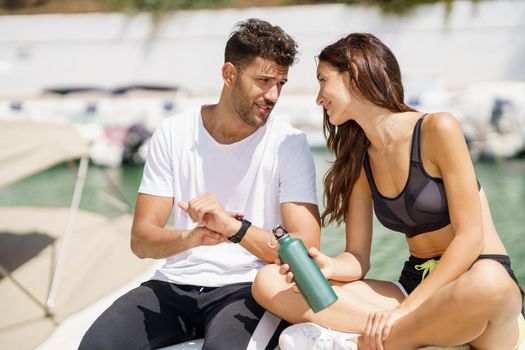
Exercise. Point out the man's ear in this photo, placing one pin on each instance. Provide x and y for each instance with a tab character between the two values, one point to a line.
229	74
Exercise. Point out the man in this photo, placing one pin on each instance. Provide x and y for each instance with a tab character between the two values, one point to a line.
234	155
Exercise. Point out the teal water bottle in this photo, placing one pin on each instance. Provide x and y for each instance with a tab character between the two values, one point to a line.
307	275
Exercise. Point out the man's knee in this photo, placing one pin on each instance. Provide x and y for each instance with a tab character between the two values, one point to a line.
238	323
101	335
121	326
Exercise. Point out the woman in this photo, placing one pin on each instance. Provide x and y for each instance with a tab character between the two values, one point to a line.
414	169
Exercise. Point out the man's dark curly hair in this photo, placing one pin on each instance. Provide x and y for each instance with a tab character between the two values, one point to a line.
257	38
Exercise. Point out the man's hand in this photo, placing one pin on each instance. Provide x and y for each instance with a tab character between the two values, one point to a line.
201	235
206	210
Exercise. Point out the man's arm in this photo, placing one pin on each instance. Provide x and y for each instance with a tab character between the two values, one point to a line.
300	219
151	239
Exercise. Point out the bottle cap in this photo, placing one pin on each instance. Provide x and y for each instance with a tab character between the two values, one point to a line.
279	231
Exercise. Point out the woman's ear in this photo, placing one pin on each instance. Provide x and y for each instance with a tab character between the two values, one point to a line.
229	74
355	71
352	78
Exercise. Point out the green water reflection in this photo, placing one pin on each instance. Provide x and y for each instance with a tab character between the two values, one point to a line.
504	183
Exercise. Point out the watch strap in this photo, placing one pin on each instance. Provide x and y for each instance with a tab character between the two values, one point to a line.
236	238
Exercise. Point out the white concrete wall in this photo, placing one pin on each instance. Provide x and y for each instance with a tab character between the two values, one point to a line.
477	42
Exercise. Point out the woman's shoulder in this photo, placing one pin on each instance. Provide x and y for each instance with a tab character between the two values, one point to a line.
440	122
442	138
441	126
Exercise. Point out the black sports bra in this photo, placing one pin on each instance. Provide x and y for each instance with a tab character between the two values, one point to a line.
421	206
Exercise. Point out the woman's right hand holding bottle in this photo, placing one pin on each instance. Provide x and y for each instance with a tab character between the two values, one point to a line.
324	262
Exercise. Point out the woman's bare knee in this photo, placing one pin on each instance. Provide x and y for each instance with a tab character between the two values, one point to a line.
487	286
265	285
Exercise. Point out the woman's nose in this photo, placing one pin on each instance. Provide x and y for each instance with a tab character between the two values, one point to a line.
319	100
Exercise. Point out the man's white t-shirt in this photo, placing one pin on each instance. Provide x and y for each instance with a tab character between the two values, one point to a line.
253	176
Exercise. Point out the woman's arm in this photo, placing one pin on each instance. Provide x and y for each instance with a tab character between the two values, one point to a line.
354	263
449	153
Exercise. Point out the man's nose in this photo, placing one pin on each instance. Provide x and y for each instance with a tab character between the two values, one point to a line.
272	94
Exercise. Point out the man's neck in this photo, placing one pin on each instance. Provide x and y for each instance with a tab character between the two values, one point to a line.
224	124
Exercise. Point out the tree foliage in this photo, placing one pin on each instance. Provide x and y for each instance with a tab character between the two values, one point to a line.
162	6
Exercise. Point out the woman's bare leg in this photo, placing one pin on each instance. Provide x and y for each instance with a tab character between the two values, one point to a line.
480	308
349	313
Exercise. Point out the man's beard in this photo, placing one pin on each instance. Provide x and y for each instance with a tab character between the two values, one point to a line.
244	108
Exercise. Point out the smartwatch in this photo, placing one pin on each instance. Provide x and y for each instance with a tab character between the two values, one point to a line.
236	238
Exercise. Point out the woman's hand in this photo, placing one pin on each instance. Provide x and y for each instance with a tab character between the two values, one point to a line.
284	270
324	262
379	325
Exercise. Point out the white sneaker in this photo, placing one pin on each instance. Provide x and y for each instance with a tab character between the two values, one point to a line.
311	336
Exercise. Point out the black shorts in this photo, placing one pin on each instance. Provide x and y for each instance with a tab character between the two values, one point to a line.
157	314
411	277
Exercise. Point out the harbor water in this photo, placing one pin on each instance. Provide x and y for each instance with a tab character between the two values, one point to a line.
112	191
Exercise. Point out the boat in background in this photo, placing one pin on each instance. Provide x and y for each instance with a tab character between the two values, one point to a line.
116	123
492	115
55	262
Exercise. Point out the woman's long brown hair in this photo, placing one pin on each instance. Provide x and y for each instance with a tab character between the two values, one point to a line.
375	76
